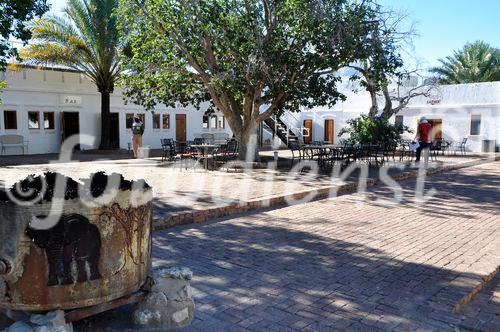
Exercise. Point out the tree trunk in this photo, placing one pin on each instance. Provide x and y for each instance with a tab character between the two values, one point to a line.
374	108
247	143
105	121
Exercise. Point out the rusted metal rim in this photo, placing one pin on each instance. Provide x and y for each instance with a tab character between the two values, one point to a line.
4	267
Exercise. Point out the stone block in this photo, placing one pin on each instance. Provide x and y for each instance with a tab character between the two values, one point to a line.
170	303
53	321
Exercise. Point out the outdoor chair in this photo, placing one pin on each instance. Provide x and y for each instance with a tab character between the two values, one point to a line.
330	158
460	147
296	151
225	152
168	149
436	147
387	152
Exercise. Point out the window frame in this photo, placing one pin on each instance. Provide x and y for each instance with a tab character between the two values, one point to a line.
163	117
129	116
475	125
221	122
206	122
53	120
213	122
5	112
142	117
38	120
156	116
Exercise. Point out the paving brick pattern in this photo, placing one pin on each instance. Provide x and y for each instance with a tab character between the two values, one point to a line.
349	263
177	190
483	313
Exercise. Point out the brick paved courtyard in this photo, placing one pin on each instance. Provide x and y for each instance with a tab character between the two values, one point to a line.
343	265
178	190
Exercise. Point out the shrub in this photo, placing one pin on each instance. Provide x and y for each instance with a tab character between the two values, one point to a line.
367	130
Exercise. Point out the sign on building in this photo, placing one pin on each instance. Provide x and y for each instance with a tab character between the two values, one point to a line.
71	100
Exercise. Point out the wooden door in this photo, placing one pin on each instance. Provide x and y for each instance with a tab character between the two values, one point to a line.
70	125
114	130
329	131
437	129
308	126
180	127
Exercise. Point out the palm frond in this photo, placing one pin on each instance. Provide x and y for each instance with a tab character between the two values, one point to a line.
476	62
85	38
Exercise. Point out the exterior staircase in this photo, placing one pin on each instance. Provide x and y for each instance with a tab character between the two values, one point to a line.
284	128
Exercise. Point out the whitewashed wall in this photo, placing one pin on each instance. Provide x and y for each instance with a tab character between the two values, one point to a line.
453	104
49	90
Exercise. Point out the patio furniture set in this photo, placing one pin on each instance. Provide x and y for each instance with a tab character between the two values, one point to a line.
327	155
201	149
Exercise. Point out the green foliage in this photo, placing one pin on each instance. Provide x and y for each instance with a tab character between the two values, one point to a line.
367	130
85	38
476	62
13	17
249	59
3	85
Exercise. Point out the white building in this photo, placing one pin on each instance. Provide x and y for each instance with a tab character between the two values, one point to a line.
46	105
461	111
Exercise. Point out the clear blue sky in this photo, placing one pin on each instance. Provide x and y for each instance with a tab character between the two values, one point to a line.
443	25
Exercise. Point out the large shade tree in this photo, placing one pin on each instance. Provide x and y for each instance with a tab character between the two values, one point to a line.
249	59
475	62
86	39
13	17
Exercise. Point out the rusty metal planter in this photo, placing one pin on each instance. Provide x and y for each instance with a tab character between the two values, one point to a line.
113	260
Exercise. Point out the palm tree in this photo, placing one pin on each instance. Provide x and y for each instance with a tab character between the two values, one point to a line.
476	62
85	38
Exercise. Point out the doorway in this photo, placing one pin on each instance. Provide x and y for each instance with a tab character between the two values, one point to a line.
437	129
180	127
70	125
114	130
329	131
307	131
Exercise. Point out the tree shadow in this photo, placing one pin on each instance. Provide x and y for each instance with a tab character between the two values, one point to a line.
458	193
288	278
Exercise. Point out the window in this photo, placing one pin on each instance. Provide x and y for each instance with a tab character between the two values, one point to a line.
399	120
48	120
156	121
213	122
129	120
205	122
142	117
166	121
475	124
10	119
33	120
222	122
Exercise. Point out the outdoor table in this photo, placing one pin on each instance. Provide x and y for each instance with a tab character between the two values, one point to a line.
205	150
321	151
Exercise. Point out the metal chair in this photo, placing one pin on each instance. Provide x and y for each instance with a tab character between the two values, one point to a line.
296	151
436	147
168	149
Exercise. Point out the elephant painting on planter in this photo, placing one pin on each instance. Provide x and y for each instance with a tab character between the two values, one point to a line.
73	238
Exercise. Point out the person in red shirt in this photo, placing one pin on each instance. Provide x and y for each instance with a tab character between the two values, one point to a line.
424	139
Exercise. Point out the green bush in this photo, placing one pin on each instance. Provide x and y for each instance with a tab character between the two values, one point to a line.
366	130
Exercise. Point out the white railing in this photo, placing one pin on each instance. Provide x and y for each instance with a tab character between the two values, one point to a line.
292	123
